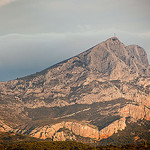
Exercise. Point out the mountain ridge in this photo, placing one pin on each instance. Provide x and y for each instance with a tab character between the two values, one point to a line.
102	43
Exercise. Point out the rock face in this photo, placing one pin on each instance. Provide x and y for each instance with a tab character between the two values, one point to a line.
77	128
4	127
90	95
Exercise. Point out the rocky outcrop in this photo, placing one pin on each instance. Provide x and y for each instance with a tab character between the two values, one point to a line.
4	127
77	128
135	111
112	128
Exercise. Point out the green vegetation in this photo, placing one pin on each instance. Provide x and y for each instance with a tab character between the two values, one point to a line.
13	141
46	145
10	137
67	145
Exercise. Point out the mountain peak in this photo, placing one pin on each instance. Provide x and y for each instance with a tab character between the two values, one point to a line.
109	60
113	56
114	38
113	43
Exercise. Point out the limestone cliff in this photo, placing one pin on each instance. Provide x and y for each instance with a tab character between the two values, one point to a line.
77	128
4	127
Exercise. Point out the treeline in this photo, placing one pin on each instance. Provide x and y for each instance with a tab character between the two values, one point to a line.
47	145
66	145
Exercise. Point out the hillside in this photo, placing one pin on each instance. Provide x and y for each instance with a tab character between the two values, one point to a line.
88	98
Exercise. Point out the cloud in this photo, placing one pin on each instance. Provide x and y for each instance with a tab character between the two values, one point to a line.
37	16
5	2
145	34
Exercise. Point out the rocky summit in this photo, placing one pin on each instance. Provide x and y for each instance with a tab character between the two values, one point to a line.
99	96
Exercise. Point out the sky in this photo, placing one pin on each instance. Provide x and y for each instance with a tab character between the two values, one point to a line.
36	34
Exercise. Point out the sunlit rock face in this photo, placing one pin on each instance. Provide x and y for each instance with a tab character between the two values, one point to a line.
90	95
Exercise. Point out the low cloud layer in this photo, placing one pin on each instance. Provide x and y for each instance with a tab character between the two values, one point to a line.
38	16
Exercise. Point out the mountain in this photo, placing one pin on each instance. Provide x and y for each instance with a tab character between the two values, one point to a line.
95	96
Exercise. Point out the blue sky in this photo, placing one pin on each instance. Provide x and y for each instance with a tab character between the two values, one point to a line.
35	34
